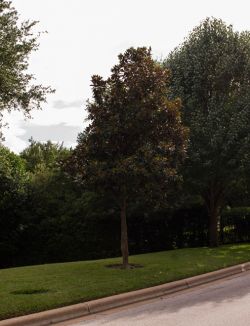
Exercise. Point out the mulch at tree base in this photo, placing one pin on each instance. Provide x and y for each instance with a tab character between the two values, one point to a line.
120	266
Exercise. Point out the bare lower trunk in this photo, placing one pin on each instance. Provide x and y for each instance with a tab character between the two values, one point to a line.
213	199
213	228
124	235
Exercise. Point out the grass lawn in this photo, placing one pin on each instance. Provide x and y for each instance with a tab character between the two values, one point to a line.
30	289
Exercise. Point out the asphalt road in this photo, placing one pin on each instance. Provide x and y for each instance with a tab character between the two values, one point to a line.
223	303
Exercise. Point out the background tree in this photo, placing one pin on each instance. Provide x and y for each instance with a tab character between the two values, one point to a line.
13	181
211	74
40	156
16	43
135	139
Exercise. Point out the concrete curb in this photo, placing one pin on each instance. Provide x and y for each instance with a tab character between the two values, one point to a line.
82	309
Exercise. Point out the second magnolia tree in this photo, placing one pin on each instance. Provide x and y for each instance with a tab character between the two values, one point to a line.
135	139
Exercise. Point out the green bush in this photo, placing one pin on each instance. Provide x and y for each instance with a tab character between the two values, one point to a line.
235	224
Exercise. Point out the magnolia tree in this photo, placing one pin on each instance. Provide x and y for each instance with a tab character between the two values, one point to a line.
211	74
135	139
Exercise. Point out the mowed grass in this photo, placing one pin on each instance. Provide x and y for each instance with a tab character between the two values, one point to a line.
30	289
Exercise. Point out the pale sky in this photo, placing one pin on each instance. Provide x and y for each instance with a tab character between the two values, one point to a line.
84	38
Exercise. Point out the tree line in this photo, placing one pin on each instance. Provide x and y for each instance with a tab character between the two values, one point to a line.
167	143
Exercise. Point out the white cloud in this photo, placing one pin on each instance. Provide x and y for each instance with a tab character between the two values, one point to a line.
13	131
57	125
59	104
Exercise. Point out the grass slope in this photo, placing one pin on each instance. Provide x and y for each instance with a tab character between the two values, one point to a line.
30	289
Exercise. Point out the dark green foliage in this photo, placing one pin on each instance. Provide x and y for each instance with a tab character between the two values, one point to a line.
135	140
55	222
235	224
16	43
211	74
12	196
135	136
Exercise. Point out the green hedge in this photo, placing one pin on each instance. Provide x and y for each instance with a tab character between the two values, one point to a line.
235	225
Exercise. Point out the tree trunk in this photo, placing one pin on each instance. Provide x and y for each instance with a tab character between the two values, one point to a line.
124	235
213	228
213	199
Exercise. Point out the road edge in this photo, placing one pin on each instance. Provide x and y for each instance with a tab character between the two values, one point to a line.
53	316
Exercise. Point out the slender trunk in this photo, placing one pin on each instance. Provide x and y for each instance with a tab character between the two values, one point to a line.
124	235
213	228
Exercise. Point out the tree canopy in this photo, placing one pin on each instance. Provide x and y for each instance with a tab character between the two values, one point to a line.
211	74
43	155
12	172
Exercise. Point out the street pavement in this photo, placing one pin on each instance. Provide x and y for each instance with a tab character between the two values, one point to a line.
221	303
